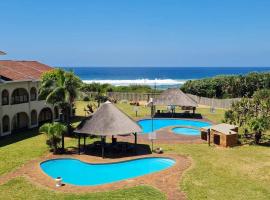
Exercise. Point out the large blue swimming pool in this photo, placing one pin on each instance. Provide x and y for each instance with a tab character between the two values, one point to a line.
76	172
146	124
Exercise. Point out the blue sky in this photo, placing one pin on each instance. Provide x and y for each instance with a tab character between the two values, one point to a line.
137	32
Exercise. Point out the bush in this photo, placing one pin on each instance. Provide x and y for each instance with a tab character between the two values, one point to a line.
86	98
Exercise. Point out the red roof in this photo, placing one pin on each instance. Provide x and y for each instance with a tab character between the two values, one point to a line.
22	70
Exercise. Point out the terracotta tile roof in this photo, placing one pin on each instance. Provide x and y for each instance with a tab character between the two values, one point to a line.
22	70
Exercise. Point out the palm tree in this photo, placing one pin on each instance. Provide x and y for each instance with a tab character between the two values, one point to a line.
54	131
59	88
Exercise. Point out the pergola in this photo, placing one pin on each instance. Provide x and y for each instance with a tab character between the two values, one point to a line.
175	97
108	121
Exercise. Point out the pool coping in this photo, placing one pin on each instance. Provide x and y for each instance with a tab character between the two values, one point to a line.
167	180
183	118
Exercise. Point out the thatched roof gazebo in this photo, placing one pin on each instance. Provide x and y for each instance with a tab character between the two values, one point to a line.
174	97
108	120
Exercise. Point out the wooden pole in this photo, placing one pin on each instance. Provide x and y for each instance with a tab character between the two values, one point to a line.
135	134
208	136
84	141
102	146
79	144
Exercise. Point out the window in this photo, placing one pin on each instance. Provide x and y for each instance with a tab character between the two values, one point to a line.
56	113
33	94
33	117
5	123
19	95
5	97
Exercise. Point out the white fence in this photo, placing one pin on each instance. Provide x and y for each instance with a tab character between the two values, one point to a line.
217	103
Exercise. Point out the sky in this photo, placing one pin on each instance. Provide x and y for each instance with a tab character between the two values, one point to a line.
137	32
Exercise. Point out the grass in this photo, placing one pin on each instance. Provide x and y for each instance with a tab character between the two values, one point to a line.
217	173
26	190
215	117
17	150
144	111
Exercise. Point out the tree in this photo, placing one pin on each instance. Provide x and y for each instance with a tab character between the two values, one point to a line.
54	132
251	113
259	125
59	87
228	86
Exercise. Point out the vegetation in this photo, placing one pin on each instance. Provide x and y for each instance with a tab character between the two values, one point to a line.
216	172
17	149
25	190
143	111
59	88
228	86
103	88
225	173
54	132
252	114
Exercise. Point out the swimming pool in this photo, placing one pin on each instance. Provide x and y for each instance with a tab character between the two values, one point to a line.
186	131
146	124
76	172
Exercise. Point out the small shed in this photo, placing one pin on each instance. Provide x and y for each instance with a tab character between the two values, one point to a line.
225	135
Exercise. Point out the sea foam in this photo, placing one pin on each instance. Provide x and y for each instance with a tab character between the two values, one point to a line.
150	82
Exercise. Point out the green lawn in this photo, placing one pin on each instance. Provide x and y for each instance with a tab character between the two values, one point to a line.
217	173
17	150
215	117
26	190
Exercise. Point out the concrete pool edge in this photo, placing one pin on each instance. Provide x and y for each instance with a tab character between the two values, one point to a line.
145	124
109	163
164	180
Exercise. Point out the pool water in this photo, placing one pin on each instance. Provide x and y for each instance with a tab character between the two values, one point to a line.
146	124
76	172
186	131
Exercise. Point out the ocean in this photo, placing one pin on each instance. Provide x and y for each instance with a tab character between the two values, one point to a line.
162	77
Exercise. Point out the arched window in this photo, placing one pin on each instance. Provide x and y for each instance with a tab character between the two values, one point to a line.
33	94
45	115
6	124
33	117
19	95
20	121
5	97
56	112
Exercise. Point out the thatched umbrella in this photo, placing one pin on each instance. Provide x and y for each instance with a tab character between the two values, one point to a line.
174	97
108	120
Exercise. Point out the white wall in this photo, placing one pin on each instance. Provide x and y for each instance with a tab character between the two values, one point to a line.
12	110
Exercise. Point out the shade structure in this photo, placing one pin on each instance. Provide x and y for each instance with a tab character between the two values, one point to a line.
108	120
176	97
2	53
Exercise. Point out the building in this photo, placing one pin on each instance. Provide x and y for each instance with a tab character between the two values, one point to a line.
225	135
19	105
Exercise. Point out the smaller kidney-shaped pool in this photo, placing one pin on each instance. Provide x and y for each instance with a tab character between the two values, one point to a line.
186	131
76	172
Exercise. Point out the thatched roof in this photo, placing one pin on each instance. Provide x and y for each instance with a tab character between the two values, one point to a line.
2	53
176	97
108	120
